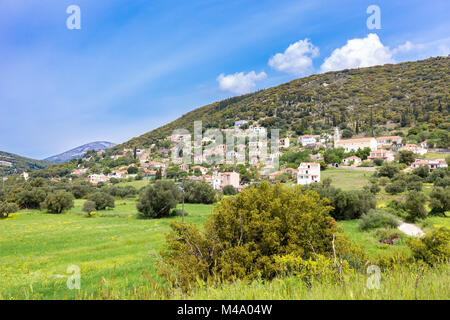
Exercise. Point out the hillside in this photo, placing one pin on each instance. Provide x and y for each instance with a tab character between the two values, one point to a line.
11	163
402	95
78	152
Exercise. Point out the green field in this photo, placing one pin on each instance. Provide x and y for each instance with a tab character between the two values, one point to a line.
347	179
37	248
434	155
115	252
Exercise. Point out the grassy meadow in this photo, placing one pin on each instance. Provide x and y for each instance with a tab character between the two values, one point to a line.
116	254
37	248
347	179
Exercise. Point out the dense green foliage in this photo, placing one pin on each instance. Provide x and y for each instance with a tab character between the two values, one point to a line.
19	164
58	201
199	192
6	208
102	200
246	232
346	204
158	199
377	219
433	248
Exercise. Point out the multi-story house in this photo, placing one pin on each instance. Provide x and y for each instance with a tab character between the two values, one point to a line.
308	172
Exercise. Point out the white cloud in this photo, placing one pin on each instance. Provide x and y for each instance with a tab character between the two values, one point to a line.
240	83
359	53
406	47
414	51
296	59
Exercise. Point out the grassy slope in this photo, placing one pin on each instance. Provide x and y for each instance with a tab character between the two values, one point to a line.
37	247
347	179
114	250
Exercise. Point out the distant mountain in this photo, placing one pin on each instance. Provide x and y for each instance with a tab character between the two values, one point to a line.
78	152
12	163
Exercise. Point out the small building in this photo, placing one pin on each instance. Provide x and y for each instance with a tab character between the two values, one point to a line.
284	143
96	178
432	164
387	141
184	167
352	160
229	178
306	139
308	172
357	143
240	123
414	148
382	154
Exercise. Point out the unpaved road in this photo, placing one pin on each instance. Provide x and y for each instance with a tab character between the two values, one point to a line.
411	229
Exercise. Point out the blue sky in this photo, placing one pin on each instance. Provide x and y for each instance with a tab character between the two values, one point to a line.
136	65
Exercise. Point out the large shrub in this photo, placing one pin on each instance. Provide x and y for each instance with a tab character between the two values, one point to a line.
433	248
388	170
229	190
102	200
58	201
199	192
440	201
346	204
377	218
30	198
89	206
122	192
6	208
158	199
245	233
415	205
395	187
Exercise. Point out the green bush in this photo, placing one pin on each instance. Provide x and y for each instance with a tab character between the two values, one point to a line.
102	200
433	248
6	208
199	192
395	187
89	206
30	198
58	202
245	233
415	205
377	218
229	190
158	199
440	201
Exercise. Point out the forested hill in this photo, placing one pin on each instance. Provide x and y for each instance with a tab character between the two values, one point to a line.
12	163
404	94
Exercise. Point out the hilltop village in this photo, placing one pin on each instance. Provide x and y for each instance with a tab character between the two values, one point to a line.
299	159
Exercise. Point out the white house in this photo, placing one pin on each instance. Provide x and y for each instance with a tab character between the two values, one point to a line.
385	155
352	160
414	148
432	164
357	143
306	139
284	143
387	141
308	172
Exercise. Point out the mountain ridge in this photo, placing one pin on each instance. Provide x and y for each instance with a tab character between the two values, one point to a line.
362	99
12	163
79	151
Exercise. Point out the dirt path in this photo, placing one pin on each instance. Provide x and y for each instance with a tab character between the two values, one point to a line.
411	229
